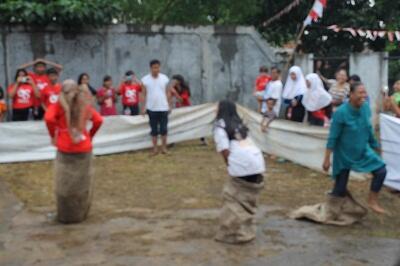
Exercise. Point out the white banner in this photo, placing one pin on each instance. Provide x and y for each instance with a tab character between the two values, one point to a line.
29	141
390	138
300	143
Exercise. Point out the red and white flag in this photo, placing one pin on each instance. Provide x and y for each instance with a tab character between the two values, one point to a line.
316	11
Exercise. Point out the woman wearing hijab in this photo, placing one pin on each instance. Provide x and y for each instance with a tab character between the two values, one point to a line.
315	100
246	166
66	122
293	92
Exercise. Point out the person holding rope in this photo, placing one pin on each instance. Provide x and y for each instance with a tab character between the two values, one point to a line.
66	122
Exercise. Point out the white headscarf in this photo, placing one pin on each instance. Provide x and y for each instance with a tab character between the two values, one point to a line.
294	88
316	96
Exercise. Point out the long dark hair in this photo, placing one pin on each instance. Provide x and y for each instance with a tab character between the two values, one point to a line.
80	77
18	71
234	126
184	86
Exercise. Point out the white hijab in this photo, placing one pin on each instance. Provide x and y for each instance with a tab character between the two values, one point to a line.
294	88
316	96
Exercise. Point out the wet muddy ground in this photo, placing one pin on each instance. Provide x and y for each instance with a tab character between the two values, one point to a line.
164	211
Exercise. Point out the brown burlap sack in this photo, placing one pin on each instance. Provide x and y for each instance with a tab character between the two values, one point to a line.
237	218
73	183
336	211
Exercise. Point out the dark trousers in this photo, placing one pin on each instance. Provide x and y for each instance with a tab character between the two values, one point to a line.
158	121
20	114
314	120
340	187
253	178
38	113
131	110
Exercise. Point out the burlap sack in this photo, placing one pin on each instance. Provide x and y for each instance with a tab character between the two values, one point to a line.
340	211
73	183
237	218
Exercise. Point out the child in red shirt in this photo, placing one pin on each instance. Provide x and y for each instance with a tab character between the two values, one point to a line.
260	85
130	90
23	93
41	80
66	121
107	97
49	95
3	105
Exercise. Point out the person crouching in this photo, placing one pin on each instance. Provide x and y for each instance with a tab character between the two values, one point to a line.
246	166
66	122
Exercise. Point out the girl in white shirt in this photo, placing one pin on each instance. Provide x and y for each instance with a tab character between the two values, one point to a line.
246	165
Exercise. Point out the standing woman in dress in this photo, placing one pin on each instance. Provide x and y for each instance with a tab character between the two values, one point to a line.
66	122
293	92
246	166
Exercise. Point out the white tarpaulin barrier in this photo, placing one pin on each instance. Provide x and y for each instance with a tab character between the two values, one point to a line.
390	138
29	141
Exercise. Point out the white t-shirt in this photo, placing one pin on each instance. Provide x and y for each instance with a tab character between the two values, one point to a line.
156	88
273	90
244	157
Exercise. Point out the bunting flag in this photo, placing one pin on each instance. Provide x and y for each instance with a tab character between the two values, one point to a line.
392	35
316	12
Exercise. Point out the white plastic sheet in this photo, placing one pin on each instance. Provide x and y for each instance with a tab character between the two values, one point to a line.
302	144
29	141
390	138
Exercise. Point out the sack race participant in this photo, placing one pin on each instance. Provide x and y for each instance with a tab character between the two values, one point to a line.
293	92
352	142
315	100
23	93
246	166
66	122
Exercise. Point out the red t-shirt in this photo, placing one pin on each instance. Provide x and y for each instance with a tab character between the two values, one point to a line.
130	93
50	94
41	81
24	96
262	81
57	127
107	105
185	100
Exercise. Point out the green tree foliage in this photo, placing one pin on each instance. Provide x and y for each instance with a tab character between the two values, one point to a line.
60	12
319	40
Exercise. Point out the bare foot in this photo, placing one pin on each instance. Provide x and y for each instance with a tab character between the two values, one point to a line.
165	151
154	153
374	206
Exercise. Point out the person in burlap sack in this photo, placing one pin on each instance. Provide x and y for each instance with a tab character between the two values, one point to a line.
352	142
66	121
246	165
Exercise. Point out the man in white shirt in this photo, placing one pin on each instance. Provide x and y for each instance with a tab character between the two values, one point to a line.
157	104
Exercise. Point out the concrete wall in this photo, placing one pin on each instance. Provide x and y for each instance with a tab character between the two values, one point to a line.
374	72
218	62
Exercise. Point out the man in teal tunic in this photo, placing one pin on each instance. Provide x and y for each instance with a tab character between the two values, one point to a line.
353	144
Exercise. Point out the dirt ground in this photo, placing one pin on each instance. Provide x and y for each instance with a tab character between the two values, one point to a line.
164	211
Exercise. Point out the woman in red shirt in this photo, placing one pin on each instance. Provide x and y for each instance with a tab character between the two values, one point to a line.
66	122
107	97
181	91
23	93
